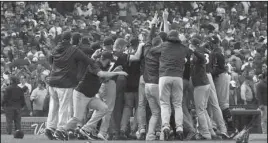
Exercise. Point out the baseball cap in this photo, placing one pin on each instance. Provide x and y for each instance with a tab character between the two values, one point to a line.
66	35
173	35
195	41
163	35
107	55
214	39
134	41
113	36
108	41
156	41
77	35
14	79
95	46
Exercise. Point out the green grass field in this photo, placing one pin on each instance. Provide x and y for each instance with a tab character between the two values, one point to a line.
254	138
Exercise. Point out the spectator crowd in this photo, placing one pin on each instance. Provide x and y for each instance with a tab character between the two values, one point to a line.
30	31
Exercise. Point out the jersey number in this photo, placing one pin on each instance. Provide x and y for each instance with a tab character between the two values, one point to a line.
207	58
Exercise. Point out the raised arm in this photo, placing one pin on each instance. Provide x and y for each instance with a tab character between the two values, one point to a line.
201	57
137	55
153	28
165	21
96	54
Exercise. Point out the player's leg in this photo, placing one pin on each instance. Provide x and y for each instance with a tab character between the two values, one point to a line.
109	99
222	89
141	112
164	96
65	96
264	120
17	119
101	109
114	127
9	118
129	98
177	96
200	99
134	126
80	102
52	118
187	118
214	107
152	94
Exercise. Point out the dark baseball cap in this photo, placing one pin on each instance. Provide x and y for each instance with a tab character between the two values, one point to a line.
214	39
95	46
108	41
66	36
156	41
163	35
134	41
13	79
113	36
107	55
196	40
173	35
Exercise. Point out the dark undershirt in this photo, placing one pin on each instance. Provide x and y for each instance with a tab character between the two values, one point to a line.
90	83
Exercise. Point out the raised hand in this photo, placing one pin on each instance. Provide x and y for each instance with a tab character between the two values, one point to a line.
165	14
96	53
154	20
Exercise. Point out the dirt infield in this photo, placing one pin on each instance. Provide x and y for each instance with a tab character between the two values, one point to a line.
254	138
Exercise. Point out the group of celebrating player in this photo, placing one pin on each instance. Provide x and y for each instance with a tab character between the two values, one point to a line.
170	73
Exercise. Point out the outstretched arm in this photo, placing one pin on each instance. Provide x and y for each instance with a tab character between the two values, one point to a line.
105	74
